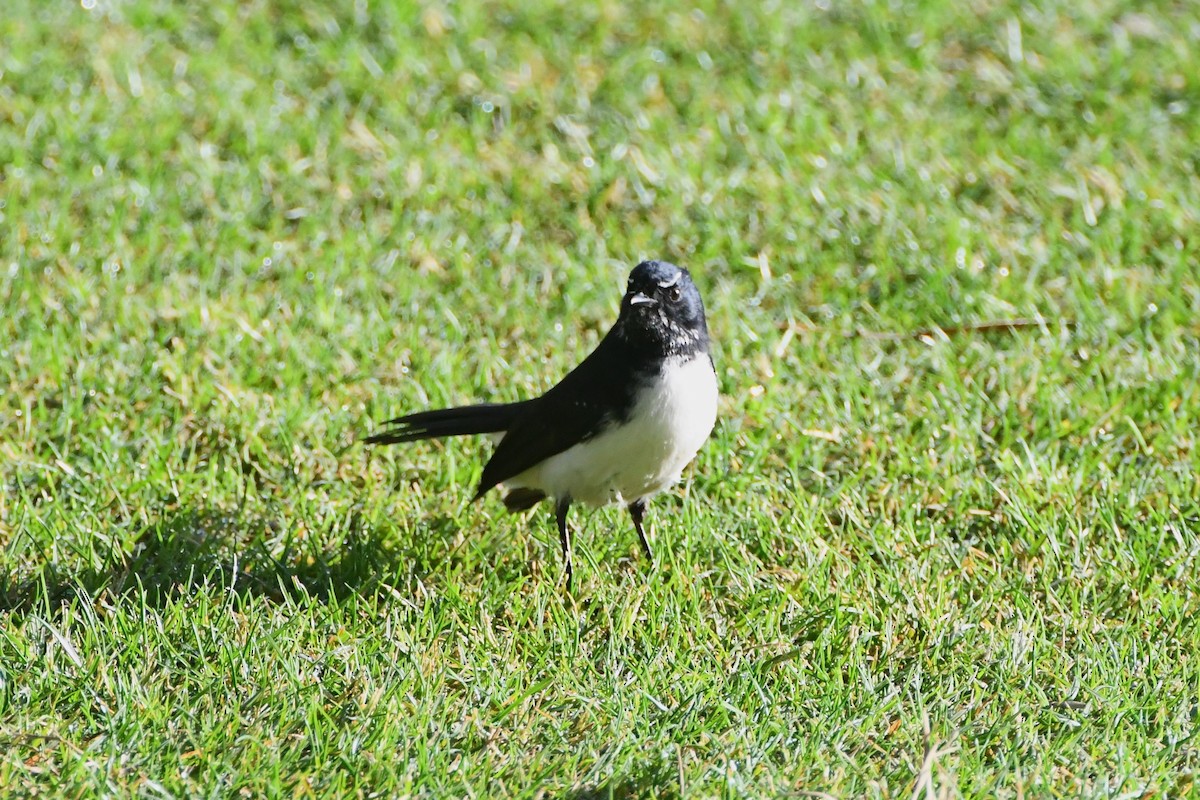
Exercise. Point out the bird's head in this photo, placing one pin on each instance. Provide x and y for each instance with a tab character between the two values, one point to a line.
662	309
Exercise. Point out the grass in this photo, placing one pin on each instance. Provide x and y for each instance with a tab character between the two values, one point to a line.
233	236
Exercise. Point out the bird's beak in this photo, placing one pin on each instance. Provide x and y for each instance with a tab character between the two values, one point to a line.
639	299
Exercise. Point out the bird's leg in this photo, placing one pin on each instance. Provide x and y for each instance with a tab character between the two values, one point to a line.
637	510
564	538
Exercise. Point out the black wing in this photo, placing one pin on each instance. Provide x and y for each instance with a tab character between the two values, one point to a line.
595	394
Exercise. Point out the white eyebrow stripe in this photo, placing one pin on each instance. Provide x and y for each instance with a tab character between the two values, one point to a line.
670	283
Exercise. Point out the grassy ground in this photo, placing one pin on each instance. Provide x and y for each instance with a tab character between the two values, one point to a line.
963	563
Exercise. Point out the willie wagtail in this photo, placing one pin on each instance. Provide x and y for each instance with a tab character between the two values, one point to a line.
619	428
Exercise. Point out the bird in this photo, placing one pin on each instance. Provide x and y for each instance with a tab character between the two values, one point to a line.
617	429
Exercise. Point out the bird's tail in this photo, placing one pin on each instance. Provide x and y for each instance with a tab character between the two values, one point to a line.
462	421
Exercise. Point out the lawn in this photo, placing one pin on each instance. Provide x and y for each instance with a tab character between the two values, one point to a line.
943	542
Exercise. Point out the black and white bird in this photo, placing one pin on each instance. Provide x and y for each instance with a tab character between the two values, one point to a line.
619	428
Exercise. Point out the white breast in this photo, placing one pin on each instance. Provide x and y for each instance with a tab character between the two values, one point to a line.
672	416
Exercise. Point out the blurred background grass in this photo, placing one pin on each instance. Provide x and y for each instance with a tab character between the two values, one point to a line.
232	236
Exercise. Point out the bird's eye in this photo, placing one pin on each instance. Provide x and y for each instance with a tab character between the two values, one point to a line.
674	294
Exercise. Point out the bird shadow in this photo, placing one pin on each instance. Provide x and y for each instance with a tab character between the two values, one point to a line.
646	780
188	550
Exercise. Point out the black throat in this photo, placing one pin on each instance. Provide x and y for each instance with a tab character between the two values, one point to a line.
651	336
